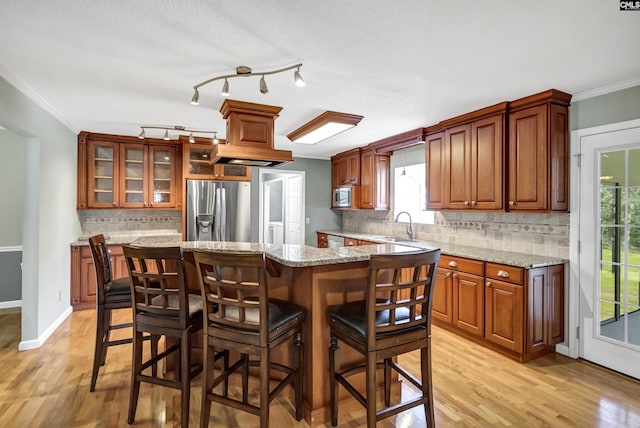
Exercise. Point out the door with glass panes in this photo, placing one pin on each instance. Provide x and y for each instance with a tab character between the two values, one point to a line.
610	249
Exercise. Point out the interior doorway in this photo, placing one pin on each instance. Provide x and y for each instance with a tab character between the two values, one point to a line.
281	207
609	246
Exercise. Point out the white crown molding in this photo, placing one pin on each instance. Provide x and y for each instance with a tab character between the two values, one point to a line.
606	89
30	93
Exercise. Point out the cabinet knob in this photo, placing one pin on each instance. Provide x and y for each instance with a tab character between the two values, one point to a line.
114	204
466	202
455	275
511	203
453	264
473	203
488	283
144	204
447	274
503	274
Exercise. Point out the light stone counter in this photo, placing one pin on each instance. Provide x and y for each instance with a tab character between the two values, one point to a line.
526	261
285	254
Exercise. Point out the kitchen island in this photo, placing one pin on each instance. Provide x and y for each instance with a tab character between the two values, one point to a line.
313	278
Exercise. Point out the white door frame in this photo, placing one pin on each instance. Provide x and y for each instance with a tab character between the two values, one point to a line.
261	202
572	348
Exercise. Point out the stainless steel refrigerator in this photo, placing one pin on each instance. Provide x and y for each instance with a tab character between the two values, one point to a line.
218	210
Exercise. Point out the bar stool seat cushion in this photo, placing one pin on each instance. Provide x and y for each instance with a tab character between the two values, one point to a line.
353	315
117	290
195	303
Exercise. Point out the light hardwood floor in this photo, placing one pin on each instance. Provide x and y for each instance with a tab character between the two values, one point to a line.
473	387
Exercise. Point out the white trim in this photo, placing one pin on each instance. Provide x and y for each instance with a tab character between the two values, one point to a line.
573	307
25	345
10	249
603	90
11	304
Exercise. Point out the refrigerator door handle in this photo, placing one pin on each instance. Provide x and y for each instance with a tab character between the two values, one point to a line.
223	214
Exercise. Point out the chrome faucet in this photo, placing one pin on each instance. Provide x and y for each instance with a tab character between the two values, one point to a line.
409	229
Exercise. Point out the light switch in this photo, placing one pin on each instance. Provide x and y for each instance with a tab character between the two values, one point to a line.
308	220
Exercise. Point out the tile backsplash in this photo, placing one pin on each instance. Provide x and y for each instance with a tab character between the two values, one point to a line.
109	221
538	234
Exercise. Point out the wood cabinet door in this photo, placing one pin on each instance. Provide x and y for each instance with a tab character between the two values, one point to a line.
197	161
458	172
133	176
468	302
353	169
383	170
161	176
367	180
442	299
435	161
487	163
323	240
528	159
87	280
537	307
504	308
555	315
335	174
102	174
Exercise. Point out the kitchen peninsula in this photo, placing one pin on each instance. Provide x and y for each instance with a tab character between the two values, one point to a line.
314	278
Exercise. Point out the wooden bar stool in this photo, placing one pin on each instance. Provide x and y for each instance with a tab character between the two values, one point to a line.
239	316
111	294
162	306
395	318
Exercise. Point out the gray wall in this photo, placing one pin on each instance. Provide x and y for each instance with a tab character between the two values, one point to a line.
11	195
50	220
614	107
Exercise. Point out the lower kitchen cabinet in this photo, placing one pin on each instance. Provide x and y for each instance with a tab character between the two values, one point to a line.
83	275
323	240
516	311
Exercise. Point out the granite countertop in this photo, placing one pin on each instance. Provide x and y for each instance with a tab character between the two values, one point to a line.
527	261
122	238
285	254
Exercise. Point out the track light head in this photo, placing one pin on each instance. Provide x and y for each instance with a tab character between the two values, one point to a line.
195	100
263	86
215	138
191	139
298	78
225	88
141	136
166	135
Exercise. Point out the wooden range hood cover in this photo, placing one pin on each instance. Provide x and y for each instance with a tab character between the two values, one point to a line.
250	136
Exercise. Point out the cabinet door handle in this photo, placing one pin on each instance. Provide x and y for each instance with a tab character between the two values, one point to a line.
511	203
503	274
473	203
447	274
453	264
466	202
455	275
488	283
114	204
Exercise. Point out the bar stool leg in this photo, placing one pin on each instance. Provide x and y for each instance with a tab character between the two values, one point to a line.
333	385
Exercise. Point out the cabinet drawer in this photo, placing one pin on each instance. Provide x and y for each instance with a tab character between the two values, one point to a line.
460	264
323	240
512	274
350	242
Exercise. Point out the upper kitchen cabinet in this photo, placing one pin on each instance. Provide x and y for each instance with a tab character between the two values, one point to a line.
538	152
465	161
345	168
123	172
374	180
197	164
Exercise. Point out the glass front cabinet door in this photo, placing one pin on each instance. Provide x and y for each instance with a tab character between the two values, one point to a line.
102	172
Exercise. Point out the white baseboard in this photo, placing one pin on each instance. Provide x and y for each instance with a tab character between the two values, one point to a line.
11	304
563	349
25	345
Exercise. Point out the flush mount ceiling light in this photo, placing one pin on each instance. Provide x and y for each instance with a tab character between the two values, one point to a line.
324	126
244	71
180	130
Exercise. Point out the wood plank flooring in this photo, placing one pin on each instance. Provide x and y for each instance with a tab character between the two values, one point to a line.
473	387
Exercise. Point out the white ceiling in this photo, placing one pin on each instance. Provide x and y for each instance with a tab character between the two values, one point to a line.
110	66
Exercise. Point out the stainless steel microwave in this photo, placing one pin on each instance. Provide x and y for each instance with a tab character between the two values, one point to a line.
342	197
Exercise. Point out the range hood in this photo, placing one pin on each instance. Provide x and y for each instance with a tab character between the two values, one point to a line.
250	136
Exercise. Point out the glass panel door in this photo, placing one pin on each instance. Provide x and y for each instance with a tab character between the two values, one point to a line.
133	188
162	168
102	175
619	279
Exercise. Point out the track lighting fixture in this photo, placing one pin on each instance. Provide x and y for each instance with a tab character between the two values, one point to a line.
180	130
244	71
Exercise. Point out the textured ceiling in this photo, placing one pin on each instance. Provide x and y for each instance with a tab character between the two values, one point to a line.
110	66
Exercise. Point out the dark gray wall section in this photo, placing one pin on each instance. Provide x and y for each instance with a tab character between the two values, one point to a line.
613	107
10	276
